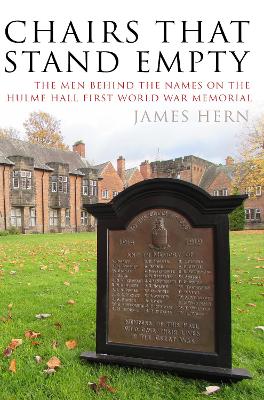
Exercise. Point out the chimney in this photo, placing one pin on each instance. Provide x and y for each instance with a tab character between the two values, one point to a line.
229	160
121	166
79	147
145	169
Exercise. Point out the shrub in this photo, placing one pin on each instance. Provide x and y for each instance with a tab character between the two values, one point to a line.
4	233
237	219
13	231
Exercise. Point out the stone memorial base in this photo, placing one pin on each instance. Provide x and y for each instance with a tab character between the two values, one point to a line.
188	370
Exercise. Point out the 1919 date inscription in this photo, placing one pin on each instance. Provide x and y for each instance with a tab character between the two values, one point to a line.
161	283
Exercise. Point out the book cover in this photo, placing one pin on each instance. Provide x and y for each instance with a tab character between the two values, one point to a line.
96	97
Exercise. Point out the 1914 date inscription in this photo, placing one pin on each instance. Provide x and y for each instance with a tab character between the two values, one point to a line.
161	283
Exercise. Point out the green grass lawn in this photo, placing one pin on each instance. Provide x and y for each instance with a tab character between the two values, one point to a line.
41	273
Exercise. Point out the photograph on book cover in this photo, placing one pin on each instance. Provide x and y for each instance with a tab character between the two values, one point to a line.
97	97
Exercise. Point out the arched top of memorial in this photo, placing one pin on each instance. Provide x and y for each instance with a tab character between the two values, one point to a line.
168	193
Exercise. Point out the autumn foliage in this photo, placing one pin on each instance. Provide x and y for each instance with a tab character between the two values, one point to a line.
250	167
42	128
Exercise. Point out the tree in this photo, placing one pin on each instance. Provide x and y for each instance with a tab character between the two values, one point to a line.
10	133
249	171
42	128
237	219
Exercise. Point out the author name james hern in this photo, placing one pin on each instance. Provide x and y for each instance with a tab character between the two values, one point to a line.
184	116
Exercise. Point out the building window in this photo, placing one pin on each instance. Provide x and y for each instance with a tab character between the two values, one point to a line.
67	217
84	217
53	217
105	194
16	217
54	184
220	192
257	215
63	184
249	191
33	216
59	183
93	188
85	187
15	179
252	214
22	179
115	193
258	190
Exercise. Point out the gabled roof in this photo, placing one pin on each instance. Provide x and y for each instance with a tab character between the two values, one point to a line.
213	171
4	160
101	167
129	173
42	155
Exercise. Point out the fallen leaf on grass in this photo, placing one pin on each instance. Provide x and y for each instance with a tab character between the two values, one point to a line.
44	267
260	266
12	272
66	283
42	316
71	301
7	352
242	311
101	385
34	343
55	344
49	371
76	268
251	305
93	386
58	325
260	328
53	362
32	334
38	359
12	366
71	344
9	313
15	343
211	389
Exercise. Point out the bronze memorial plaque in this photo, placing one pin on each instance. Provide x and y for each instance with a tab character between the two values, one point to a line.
161	283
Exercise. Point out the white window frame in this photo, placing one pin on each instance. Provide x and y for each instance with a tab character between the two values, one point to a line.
67	217
85	187
54	187
53	217
84	218
22	179
105	194
16	179
115	193
252	215
93	187
63	184
16	217
258	190
33	216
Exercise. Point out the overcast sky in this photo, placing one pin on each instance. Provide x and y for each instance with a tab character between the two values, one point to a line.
108	128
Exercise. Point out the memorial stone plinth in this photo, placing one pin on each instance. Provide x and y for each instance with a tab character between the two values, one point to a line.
163	280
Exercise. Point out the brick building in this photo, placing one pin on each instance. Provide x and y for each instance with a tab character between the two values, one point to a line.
45	190
215	179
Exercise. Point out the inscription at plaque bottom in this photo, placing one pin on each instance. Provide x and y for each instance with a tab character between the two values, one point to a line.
161	283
